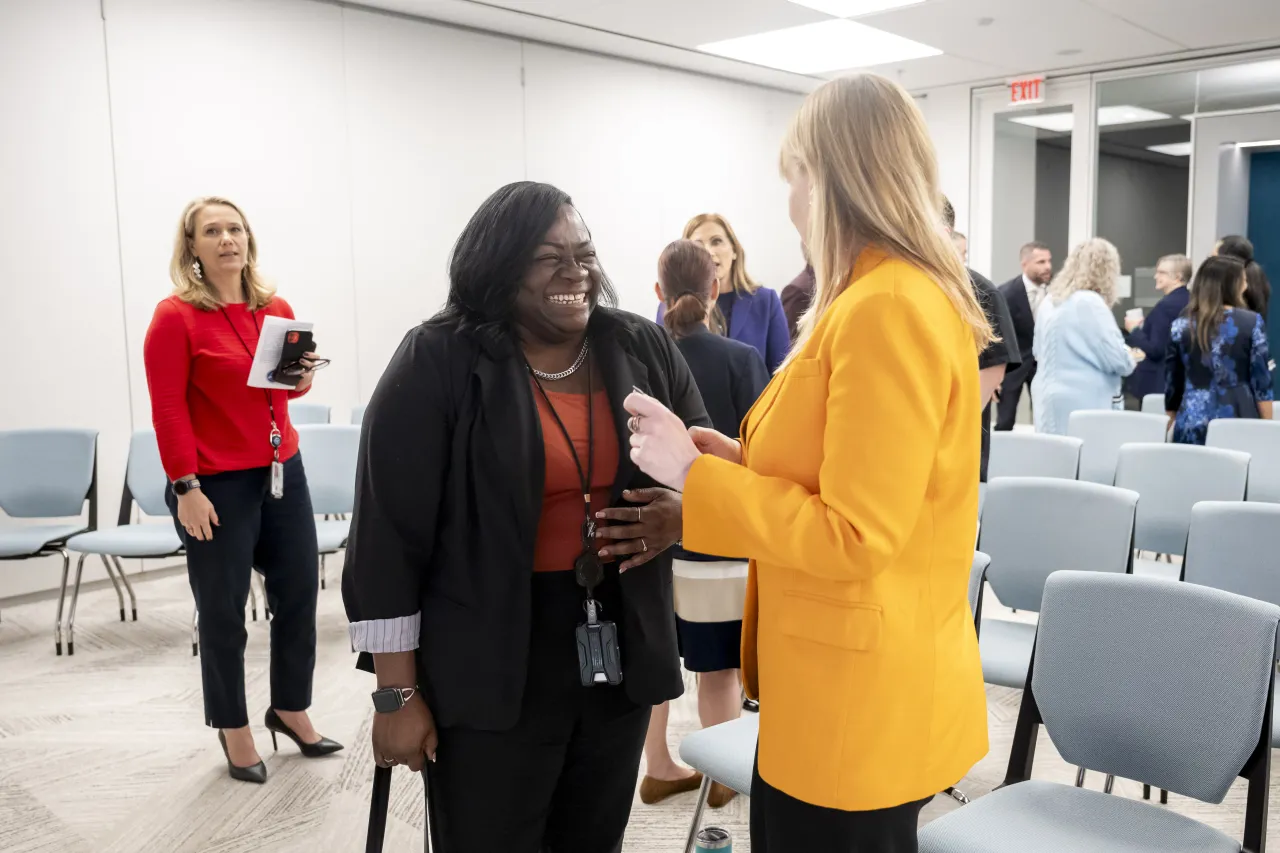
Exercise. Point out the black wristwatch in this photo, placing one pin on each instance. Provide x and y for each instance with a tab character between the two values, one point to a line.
181	487
388	700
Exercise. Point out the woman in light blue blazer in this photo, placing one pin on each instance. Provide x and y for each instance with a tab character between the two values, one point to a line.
1081	354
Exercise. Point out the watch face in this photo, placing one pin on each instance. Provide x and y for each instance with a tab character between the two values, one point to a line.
387	701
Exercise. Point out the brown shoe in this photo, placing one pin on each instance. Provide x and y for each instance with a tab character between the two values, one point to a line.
720	795
656	790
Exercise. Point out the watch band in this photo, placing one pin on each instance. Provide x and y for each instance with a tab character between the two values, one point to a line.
181	487
388	700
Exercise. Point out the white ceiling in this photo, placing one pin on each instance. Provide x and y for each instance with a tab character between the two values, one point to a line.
981	40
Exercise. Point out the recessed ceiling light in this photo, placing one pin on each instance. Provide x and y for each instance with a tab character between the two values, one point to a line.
854	8
1173	149
825	46
1107	117
1261	143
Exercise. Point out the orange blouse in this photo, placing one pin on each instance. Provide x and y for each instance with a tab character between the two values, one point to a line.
560	526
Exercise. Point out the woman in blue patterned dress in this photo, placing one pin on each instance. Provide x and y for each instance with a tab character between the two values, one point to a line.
1217	357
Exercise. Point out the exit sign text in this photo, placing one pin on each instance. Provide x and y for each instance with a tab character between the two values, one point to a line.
1026	90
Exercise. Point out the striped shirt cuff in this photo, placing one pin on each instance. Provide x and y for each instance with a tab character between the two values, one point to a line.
383	636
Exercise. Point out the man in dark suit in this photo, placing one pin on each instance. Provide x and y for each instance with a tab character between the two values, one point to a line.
1151	333
1024	295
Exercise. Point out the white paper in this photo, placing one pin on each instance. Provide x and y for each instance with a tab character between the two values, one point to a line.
1124	287
270	345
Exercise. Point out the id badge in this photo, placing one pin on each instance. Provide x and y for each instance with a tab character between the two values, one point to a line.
599	657
277	480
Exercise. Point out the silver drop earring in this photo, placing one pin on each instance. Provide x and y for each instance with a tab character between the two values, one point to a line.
197	271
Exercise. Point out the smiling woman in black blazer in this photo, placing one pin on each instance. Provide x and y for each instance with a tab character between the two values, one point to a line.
469	521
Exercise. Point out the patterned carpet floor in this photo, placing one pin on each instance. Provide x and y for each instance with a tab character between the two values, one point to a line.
104	752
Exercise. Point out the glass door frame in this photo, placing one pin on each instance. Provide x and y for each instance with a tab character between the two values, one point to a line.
1077	92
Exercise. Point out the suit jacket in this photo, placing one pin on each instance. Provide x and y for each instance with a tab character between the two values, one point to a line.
1024	320
755	319
448	498
1152	337
796	298
857	501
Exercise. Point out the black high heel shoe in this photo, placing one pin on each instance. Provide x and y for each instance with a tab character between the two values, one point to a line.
320	748
256	774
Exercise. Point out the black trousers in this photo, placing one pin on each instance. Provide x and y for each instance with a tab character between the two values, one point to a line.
278	537
782	824
562	780
1011	393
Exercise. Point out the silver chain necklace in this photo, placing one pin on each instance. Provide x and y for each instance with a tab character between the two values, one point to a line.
564	374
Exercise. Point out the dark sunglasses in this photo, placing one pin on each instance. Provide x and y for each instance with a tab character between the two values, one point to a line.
297	368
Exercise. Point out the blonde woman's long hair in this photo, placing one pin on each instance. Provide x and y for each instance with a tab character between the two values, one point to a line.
199	292
1093	265
738	278
874	177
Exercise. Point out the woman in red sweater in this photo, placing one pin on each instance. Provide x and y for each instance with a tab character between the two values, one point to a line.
220	441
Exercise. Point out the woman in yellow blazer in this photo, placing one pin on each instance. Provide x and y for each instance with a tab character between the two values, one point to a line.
855	492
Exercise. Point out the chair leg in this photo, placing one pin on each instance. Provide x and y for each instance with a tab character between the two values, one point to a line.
957	795
1146	791
75	599
111	576
195	632
266	602
697	814
1108	784
62	597
322	586
253	597
1079	777
133	599
1164	797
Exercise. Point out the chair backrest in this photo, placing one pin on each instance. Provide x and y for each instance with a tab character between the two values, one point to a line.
1164	683
46	473
1261	440
1171	479
145	475
357	413
1034	526
977	577
301	412
329	452
1032	454
1233	546
1153	404
1104	432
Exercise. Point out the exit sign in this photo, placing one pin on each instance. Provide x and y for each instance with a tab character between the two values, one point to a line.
1026	90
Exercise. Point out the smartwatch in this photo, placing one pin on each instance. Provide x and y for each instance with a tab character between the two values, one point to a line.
388	700
181	487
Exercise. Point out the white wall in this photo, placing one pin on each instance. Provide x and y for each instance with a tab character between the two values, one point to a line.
947	112
358	144
1220	176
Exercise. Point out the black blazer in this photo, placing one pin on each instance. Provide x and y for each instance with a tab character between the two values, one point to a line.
1024	321
730	376
448	497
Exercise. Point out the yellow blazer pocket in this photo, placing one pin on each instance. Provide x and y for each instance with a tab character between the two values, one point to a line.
802	367
851	625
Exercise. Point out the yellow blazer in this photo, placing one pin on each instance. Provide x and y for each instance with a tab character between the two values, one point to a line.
858	501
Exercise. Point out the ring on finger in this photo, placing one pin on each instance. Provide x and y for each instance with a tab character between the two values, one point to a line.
639	513
643	547
633	423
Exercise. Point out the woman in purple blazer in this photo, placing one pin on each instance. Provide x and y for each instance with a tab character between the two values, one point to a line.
748	312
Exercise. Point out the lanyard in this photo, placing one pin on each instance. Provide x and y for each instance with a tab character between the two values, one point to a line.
587	567
276	437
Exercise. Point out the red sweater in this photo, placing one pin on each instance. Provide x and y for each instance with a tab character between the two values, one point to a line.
207	419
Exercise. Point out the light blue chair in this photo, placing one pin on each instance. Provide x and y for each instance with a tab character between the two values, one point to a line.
1261	440
357	414
1109	649
301	412
145	483
1033	527
47	474
1033	454
1153	404
1172	478
329	452
1105	432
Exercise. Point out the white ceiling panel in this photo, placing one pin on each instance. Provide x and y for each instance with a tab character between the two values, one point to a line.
982	40
1200	23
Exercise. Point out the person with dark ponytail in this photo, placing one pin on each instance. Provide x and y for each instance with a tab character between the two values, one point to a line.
709	590
1257	292
1217	357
